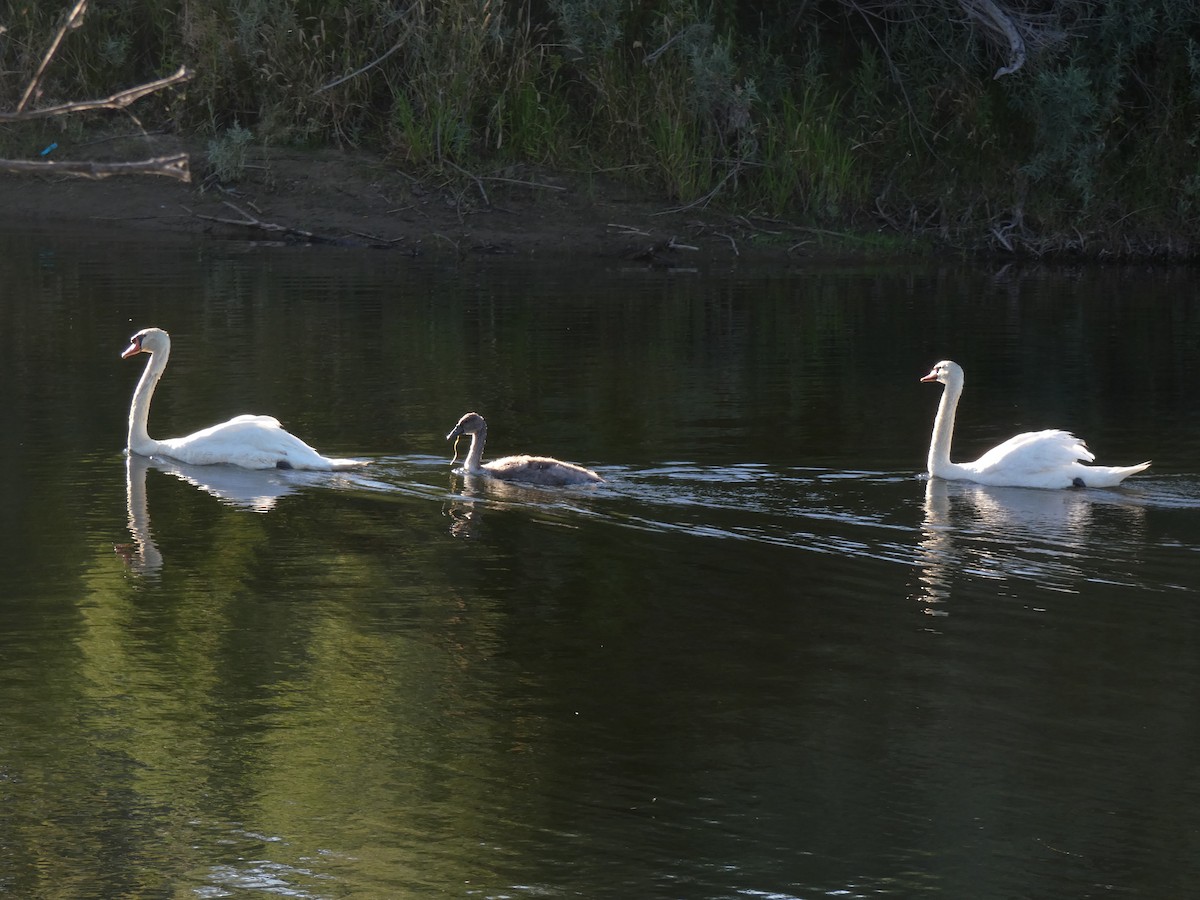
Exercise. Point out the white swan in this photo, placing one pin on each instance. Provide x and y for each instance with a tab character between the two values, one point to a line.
253	442
528	469
1038	459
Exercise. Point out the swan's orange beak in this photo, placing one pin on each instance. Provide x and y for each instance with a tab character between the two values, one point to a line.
932	376
135	347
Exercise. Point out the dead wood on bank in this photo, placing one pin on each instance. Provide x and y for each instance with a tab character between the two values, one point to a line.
174	166
288	232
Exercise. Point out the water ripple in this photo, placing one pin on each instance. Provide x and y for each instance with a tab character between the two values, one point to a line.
1056	539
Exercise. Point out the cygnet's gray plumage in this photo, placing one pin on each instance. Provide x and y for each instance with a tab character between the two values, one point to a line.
541	470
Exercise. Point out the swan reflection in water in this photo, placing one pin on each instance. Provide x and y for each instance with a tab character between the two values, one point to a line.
997	533
243	488
471	494
257	490
142	556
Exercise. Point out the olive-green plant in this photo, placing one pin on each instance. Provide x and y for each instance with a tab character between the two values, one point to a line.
227	152
808	166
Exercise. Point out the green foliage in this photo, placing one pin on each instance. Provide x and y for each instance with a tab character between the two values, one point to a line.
1064	110
681	167
808	166
527	124
590	28
227	152
804	109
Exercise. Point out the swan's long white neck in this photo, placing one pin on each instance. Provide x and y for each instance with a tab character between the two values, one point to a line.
139	440
943	432
474	461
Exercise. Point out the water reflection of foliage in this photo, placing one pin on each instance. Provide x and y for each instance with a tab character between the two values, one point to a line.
279	667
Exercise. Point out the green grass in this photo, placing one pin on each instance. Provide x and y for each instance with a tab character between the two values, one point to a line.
801	115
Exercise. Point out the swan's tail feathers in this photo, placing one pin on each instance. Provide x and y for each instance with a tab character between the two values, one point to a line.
1109	476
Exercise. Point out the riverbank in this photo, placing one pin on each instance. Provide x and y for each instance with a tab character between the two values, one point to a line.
356	199
1076	142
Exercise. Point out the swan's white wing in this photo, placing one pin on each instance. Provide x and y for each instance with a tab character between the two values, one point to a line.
254	442
264	421
1033	452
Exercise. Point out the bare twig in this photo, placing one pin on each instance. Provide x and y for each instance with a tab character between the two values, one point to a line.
691	29
286	231
452	243
372	64
630	229
475	178
74	20
1002	239
532	184
703	201
119	100
250	221
377	239
171	166
898	79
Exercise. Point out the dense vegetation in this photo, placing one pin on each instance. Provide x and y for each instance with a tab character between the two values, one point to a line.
1029	124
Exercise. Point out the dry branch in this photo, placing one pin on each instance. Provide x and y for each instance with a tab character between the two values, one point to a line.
373	63
175	166
1017	30
171	166
284	231
249	221
995	19
119	100
74	20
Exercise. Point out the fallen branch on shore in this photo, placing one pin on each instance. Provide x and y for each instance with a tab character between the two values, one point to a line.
175	166
286	232
171	166
249	221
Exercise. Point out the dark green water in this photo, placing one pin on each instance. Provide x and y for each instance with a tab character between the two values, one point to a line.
765	659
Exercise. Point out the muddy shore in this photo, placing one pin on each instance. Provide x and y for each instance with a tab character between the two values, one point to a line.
354	199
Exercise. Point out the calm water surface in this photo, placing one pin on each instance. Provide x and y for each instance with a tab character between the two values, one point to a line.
766	658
